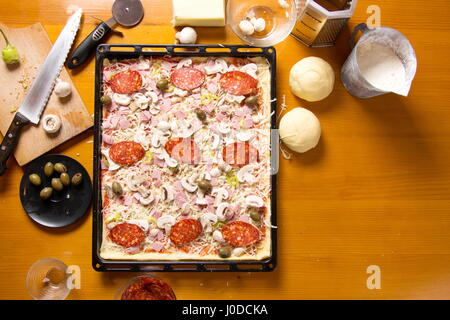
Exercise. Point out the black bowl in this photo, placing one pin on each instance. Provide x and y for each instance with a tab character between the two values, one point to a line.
63	207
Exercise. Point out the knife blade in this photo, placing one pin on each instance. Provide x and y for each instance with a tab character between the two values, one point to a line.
37	97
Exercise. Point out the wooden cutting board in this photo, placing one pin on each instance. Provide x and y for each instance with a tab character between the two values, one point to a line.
34	45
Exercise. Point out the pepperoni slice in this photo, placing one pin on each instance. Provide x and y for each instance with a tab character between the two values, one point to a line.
183	150
185	231
127	235
240	234
238	83
187	78
126	152
240	154
126	82
148	289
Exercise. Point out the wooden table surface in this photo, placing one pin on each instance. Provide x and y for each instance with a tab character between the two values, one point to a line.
376	191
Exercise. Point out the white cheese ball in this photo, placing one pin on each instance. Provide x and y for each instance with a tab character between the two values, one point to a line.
312	79
300	130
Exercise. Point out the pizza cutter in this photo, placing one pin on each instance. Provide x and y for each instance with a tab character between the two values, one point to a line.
126	13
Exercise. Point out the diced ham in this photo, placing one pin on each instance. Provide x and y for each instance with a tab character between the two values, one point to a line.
159	162
108	139
166	105
156	174
145	116
244	218
210	200
124	123
160	235
157	214
214	182
180	199
212	87
248	122
221	117
154	121
157	246
127	200
177	186
180	114
132	250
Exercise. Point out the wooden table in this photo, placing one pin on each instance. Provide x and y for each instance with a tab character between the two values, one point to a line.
376	191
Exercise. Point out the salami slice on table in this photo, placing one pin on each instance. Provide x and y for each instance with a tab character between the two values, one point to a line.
148	289
126	82
127	235
126	152
240	154
240	234
183	150
185	231
238	83
187	78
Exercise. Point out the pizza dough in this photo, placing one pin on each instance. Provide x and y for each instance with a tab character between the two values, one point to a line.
312	79
300	130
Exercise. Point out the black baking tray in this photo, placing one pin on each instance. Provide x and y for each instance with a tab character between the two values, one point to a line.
130	51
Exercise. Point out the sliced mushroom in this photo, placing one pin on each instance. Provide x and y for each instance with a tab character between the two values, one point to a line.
223	128
244	135
171	162
244	174
133	182
215	141
250	69
201	200
207	219
163	126
167	193
217	235
165	222
232	98
141	101
220	65
238	252
190	187
222	211
155	109
112	166
186	62
220	194
254	201
156	140
225	167
121	99
141	223
215	172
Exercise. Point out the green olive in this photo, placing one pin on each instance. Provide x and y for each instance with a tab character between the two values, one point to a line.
65	178
205	186
77	178
105	161
117	188
48	169
105	99
162	84
174	170
46	193
60	168
57	184
35	179
201	115
251	101
224	252
255	216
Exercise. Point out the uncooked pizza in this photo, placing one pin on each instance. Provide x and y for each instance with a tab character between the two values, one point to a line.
186	159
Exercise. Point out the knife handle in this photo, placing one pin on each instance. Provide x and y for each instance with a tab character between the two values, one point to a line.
10	139
84	50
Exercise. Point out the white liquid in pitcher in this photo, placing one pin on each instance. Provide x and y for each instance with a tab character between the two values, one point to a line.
382	68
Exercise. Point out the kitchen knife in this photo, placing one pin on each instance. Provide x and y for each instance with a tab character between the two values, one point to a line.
36	99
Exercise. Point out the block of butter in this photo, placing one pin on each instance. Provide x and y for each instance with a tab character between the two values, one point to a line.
199	13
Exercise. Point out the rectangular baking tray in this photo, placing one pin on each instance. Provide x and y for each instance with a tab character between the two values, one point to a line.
130	51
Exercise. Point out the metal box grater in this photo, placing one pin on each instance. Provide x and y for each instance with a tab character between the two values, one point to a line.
322	20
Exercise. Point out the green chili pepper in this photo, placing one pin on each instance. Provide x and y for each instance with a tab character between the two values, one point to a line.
9	53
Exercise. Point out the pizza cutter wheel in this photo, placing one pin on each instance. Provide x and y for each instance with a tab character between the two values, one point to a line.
126	13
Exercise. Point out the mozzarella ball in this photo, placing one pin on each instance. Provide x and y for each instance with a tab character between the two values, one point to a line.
246	27
312	79
300	130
